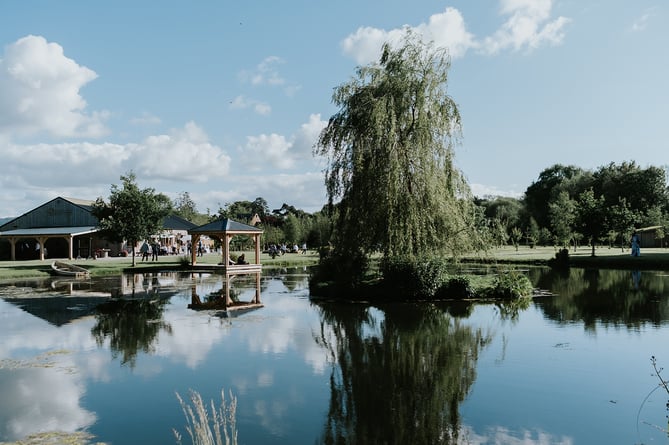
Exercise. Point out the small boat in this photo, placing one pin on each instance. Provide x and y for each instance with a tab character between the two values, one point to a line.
69	270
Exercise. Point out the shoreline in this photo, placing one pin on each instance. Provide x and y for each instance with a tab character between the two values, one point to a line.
606	258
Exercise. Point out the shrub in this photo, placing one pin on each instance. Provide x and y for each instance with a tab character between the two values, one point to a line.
561	259
346	272
511	285
415	279
456	287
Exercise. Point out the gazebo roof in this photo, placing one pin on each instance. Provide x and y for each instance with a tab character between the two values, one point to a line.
225	225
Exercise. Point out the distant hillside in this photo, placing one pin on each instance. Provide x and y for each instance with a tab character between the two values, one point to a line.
5	220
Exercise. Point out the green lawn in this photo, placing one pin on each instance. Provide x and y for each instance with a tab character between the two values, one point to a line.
11	270
605	258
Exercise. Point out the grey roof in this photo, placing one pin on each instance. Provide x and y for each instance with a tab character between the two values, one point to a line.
225	225
175	222
43	216
50	231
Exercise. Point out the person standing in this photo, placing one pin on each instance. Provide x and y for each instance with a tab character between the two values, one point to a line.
636	244
145	251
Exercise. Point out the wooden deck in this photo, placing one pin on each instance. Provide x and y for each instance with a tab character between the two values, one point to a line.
234	269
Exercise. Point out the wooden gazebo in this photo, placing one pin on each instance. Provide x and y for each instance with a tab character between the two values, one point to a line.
224	229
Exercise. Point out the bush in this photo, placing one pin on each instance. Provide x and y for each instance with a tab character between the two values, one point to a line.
456	287
414	279
346	272
511	285
561	259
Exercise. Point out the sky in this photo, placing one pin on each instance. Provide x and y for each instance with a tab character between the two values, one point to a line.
225	100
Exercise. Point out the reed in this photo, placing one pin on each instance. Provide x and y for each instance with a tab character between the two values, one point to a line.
209	425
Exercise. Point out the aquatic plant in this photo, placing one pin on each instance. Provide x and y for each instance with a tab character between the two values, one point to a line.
205	427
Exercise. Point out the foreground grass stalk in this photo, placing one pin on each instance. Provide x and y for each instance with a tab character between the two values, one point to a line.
218	427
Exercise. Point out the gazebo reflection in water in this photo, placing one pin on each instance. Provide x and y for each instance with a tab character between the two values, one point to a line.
224	230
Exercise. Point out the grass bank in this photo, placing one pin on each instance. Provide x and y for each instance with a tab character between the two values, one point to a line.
605	257
12	270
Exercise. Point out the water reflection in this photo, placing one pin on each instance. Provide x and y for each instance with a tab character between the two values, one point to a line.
106	356
131	326
615	297
402	372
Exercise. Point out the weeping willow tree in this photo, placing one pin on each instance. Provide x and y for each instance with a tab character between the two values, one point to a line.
389	150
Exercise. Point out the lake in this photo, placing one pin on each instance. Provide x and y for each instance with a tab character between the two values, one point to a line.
109	355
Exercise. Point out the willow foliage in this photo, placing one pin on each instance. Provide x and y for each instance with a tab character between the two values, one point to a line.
390	158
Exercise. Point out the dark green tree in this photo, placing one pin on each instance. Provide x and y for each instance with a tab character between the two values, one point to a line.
545	190
132	214
390	158
622	220
591	216
562	213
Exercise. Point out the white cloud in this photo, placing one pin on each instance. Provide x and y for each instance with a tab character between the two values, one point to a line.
482	190
241	102
529	26
266	72
184	154
277	151
39	92
641	22
36	173
307	135
267	150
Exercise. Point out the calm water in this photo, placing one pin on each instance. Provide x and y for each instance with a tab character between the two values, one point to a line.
569	369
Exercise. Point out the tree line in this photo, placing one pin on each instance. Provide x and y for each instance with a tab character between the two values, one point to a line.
570	206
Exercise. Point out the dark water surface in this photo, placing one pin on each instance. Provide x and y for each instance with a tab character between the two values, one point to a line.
108	356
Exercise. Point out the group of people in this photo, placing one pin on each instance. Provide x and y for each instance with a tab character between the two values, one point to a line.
152	249
275	250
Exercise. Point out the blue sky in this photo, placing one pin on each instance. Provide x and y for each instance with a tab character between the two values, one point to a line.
224	100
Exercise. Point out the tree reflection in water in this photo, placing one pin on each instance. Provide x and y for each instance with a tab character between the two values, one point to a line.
399	373
611	297
131	325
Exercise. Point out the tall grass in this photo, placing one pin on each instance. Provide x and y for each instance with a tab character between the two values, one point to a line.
209	426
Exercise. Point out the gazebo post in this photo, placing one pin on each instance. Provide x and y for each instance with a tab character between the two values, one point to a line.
225	241
257	241
193	249
228	300
257	299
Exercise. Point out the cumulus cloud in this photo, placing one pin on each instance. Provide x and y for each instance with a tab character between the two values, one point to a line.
39	92
183	154
529	26
84	169
446	29
278	151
